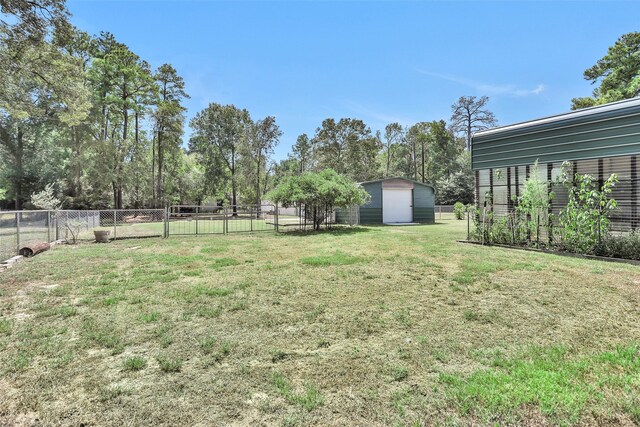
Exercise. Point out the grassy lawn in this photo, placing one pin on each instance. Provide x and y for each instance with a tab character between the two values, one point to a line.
366	326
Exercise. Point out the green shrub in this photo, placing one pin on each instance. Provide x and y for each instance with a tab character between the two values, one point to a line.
320	193
533	205
585	219
625	246
459	210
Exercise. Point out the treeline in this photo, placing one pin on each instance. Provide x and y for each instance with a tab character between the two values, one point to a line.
425	151
90	116
91	121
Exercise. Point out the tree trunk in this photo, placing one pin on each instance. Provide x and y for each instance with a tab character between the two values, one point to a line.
115	194
423	162
159	187
153	172
77	185
233	183
414	161
19	168
386	174
258	185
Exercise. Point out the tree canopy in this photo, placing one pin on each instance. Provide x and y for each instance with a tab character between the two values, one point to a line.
319	193
617	73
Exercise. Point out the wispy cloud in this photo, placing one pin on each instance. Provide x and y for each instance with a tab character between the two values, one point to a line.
487	88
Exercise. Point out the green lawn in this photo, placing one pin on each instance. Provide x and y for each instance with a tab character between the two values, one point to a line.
367	326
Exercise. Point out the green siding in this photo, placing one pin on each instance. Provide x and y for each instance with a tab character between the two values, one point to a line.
375	190
370	215
597	134
424	215
423	204
341	217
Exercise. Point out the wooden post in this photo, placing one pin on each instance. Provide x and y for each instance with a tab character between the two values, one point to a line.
114	225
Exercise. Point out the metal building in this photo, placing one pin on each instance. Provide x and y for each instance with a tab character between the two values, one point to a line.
395	201
597	141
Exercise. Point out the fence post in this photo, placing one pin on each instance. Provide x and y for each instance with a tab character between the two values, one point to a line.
468	225
165	223
17	232
276	218
197	212
115	229
48	226
251	217
56	225
225	221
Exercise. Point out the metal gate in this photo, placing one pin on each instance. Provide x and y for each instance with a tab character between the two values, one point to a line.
187	220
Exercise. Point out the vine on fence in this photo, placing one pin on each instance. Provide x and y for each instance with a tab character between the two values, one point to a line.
583	225
585	219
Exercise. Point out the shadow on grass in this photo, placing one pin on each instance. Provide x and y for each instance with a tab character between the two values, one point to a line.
335	231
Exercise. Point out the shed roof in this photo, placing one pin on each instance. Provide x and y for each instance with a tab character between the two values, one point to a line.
426	184
607	130
612	108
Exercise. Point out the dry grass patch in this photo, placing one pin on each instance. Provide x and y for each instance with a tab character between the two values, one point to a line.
370	326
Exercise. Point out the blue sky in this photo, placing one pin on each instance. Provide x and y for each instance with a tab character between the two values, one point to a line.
381	61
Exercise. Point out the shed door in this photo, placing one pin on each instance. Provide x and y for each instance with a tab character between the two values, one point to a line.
397	205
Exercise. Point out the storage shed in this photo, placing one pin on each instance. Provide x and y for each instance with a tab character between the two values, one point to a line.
395	201
597	141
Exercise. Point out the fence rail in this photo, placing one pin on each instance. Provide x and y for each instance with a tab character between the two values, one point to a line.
444	212
22	228
196	220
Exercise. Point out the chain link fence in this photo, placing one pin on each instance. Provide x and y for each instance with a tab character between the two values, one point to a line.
444	212
23	228
121	223
197	220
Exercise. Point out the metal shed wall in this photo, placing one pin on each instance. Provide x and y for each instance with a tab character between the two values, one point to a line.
424	202
597	141
423	196
604	131
371	213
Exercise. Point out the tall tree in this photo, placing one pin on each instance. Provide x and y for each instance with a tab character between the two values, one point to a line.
42	85
469	114
219	133
302	152
618	73
121	82
348	147
393	137
265	135
418	139
32	20
168	122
